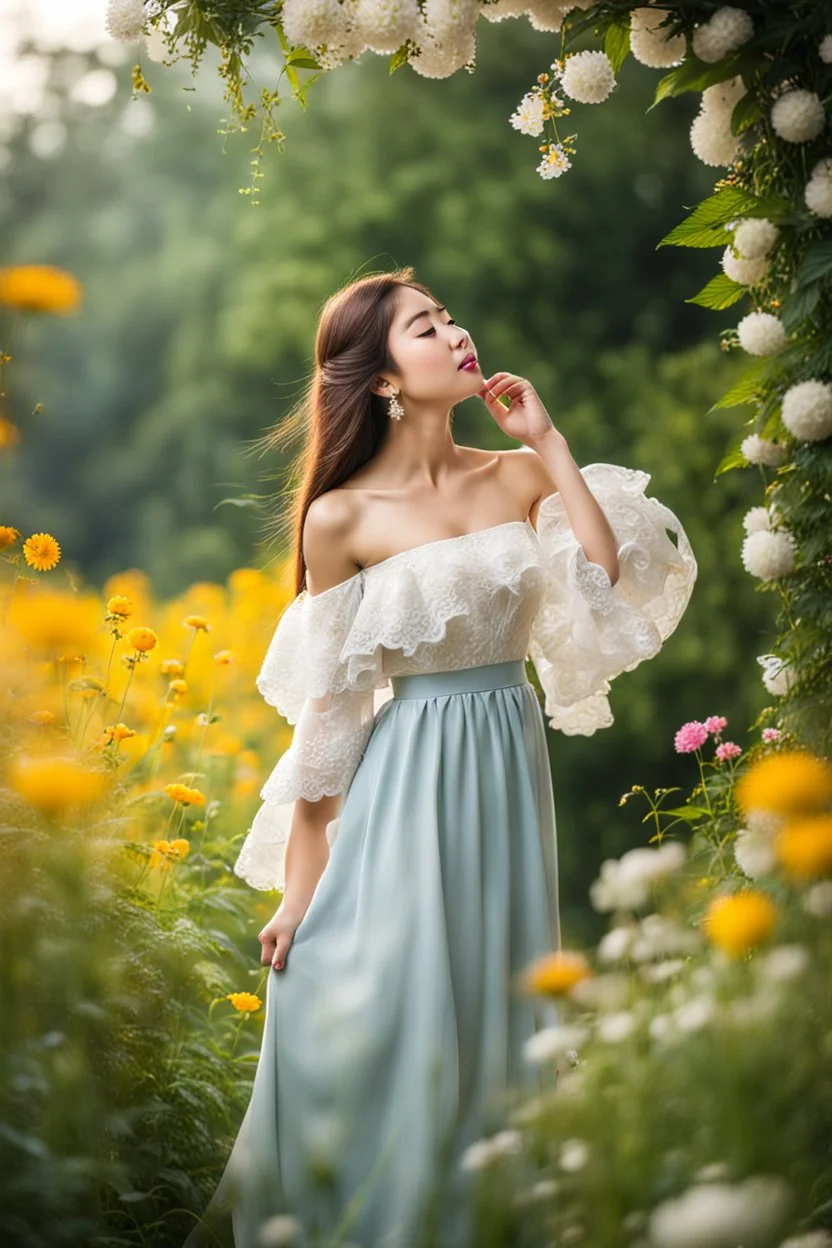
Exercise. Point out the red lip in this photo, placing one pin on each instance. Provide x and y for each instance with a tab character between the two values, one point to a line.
469	356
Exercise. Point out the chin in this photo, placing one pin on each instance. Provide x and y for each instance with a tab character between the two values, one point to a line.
472	380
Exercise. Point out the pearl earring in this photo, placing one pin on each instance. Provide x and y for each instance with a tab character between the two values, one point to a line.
396	410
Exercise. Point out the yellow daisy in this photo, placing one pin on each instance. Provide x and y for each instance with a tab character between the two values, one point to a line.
224	656
197	622
39	288
738	922
787	783
185	794
142	639
41	551
245	1002
178	686
171	667
557	973
120	606
180	846
8	536
804	847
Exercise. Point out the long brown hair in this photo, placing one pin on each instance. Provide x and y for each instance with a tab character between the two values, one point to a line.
342	420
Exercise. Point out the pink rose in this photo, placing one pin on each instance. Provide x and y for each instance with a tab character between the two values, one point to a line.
716	723
690	736
727	750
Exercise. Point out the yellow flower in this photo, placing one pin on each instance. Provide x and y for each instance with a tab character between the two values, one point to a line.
787	783
41	551
804	847
8	536
171	667
9	434
245	1002
53	783
739	921
160	855
119	605
142	639
39	288
44	719
117	732
180	846
185	794
224	656
197	621
178	686
557	973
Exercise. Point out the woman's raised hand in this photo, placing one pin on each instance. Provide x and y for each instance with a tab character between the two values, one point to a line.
526	419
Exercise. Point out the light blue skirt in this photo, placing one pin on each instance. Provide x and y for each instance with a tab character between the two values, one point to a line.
394	1035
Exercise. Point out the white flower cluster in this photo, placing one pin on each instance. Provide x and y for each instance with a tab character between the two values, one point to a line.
490	1149
760	333
625	883
655	936
798	116
757	520
825	49
754	852
776	674
769	555
754	237
739	269
721	1213
807	410
555	162
818	192
726	31
528	116
126	19
385	24
757	450
550	1043
445	37
710	134
650	44
588	77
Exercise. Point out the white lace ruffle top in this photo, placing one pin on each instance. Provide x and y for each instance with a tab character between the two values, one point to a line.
505	592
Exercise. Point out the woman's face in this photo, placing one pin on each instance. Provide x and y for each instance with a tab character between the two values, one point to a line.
429	348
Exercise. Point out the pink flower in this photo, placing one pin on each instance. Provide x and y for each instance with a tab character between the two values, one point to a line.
771	734
727	750
690	736
716	723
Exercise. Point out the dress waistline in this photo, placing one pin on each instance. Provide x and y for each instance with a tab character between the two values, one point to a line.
463	680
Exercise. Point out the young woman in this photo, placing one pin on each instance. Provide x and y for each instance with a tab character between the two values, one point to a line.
411	823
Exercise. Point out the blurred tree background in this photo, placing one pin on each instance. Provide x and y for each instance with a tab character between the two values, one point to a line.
198	324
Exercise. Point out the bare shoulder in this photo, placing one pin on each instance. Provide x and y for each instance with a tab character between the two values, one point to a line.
327	540
527	478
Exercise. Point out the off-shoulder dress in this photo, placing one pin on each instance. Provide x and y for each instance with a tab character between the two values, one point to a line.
395	1033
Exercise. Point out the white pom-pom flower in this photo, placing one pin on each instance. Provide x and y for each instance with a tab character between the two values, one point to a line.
384	25
825	49
760	333
818	191
769	555
126	19
757	450
445	37
723	96
528	116
547	15
757	520
798	116
807	410
310	23
649	43
754	237
746	272
588	77
712	140
724	32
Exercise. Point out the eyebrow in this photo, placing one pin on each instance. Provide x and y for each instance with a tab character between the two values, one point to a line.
425	312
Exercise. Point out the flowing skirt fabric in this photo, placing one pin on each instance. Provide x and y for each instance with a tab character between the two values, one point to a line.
397	1024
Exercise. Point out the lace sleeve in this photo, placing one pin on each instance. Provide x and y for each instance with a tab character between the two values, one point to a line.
587	630
303	678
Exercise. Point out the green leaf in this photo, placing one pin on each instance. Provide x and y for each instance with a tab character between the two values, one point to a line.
817	262
746	112
302	60
689	813
705	227
694	75
398	59
720	292
799	305
733	459
745	390
617	44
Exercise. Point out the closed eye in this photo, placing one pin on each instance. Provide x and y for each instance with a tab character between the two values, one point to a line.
433	331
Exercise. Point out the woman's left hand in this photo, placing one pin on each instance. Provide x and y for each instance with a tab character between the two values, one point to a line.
526	419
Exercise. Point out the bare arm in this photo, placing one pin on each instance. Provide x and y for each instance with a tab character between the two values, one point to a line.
326	532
